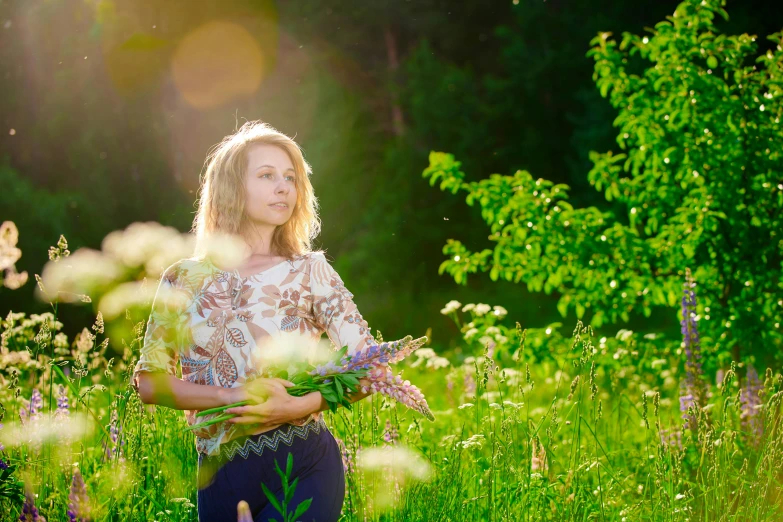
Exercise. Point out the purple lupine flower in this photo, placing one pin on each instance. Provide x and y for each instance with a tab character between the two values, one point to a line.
691	392
719	375
114	431
348	464
62	403
243	512
29	511
469	383
378	355
385	382
750	402
3	465
375	360
671	437
390	434
79	502
36	404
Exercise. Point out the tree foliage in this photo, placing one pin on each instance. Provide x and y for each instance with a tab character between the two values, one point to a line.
698	179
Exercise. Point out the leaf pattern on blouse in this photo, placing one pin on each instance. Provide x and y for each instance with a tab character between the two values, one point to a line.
211	321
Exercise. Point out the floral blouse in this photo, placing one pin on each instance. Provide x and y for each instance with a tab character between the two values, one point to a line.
210	321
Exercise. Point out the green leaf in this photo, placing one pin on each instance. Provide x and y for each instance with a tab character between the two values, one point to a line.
272	499
302	507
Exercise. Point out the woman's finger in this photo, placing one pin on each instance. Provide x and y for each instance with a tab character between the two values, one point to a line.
284	382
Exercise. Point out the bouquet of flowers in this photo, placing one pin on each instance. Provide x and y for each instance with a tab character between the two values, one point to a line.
339	377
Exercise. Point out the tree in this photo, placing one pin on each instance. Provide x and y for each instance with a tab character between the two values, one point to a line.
698	180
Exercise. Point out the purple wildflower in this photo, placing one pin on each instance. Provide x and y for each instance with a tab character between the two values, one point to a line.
671	437
62	403
378	355
390	435
348	464
750	402
78	505
3	465
469	384
114	431
719	375
375	360
243	512
691	392
29	511
385	382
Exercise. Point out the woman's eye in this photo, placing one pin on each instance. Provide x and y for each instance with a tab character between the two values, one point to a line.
291	178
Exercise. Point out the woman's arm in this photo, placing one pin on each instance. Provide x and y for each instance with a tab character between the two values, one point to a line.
167	390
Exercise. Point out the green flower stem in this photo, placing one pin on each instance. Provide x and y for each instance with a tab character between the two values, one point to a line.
219	418
221	408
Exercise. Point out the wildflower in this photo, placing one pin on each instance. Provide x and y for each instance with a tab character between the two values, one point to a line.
499	311
476	441
750	402
31	412
243	512
29	511
469	384
691	393
390	434
348	462
62	403
671	437
451	306
110	446
438	362
538	460
482	309
384	382
468	307
470	333
78	505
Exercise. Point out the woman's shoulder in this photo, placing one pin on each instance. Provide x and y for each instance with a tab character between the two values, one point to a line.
316	259
187	267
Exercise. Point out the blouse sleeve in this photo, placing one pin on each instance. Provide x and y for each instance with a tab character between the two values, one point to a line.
334	309
166	329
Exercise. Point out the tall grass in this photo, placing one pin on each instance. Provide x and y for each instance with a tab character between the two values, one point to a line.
529	426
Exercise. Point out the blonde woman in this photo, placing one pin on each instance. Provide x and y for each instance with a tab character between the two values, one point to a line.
212	320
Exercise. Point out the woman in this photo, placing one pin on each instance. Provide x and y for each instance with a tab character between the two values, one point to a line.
214	321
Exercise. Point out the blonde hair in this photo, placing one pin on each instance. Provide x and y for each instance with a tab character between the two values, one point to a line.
221	207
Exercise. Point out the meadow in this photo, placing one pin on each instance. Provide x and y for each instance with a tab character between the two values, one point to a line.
530	425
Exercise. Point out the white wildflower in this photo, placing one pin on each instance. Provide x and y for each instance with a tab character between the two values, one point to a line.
451	306
482	309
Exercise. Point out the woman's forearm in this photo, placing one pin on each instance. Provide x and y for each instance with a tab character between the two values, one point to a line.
167	390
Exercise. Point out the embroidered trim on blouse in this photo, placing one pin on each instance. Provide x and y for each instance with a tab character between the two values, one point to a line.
257	443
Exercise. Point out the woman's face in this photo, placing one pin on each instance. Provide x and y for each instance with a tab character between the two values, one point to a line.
270	182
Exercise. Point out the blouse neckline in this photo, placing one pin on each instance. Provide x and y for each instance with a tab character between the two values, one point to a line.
235	272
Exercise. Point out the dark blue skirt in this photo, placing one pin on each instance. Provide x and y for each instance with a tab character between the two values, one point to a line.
243	464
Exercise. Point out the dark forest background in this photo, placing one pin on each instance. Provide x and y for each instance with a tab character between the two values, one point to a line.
100	126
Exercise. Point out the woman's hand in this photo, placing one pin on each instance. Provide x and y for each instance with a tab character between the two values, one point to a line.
271	404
